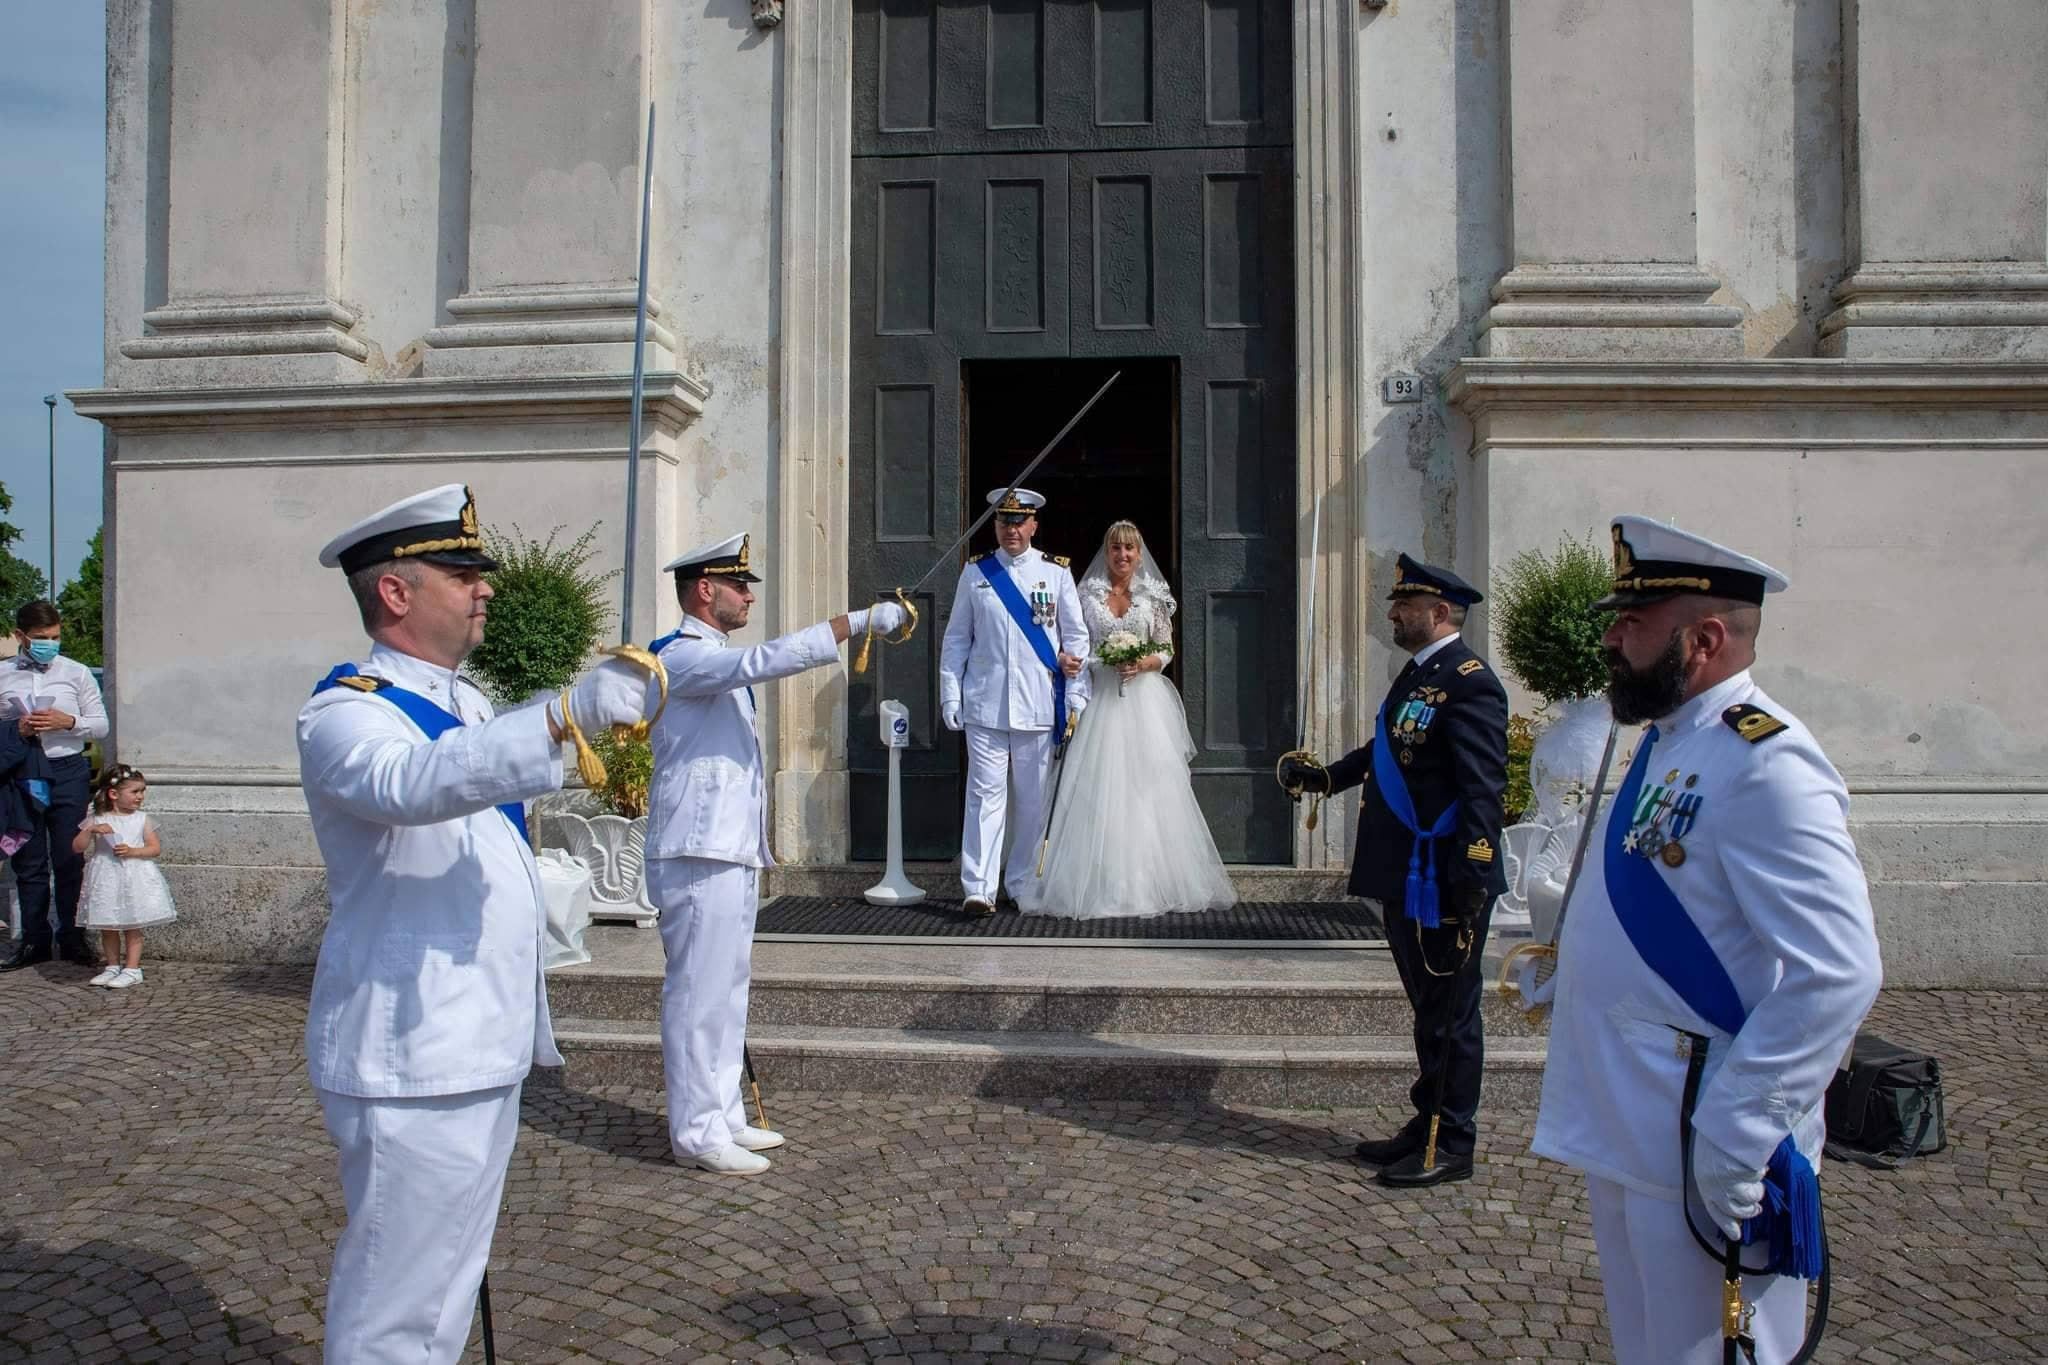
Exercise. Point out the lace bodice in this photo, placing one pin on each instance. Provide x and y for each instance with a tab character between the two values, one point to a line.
1150	616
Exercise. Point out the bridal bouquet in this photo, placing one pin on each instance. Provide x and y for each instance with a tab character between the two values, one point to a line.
1122	647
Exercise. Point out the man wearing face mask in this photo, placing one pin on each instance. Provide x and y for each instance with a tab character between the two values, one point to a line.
52	701
1718	957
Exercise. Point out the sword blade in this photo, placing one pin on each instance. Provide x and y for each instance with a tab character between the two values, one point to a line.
1571	881
1315	569
979	521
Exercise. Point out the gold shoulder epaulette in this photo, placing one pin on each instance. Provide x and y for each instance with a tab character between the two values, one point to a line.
1753	723
364	682
1060	560
976	559
1470	666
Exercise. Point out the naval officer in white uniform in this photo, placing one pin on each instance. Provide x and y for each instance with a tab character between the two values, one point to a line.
428	1006
1768	953
997	681
707	841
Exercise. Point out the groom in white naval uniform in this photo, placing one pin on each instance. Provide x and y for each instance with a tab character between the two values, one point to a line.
1003	677
1719	945
428	1005
707	841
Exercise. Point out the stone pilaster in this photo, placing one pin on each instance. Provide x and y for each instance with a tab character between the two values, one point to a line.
810	814
1948	182
255	122
1600	96
558	115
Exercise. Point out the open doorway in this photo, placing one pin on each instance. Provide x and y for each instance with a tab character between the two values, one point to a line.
1119	464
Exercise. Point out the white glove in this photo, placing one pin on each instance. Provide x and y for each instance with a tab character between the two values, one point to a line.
1533	995
1730	1190
950	714
886	617
613	693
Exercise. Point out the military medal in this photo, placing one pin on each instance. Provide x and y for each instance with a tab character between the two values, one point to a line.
1673	853
1651	842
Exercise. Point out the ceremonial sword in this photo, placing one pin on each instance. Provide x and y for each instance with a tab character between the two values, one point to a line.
1301	749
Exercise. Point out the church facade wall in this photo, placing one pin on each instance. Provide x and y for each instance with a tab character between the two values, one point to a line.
1772	268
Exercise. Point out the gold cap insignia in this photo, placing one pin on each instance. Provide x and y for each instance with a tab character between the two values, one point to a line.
469	524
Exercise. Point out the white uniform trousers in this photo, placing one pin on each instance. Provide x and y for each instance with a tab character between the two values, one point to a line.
707	932
996	759
1664	1292
422	1178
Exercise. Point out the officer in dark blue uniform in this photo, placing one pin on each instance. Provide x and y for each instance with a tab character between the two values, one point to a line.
1429	828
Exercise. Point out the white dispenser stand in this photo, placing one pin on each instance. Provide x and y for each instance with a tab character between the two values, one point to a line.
895	887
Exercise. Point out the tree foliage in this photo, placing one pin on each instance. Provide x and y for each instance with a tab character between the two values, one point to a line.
20	581
548	613
80	604
1543	618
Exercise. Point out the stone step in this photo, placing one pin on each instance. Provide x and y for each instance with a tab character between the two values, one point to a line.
1280	1071
1224	1005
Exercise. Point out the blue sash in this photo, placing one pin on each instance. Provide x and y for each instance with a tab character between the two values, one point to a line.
1666	938
1420	901
433	722
1041	643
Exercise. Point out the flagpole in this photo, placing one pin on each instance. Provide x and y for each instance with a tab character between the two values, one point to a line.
639	388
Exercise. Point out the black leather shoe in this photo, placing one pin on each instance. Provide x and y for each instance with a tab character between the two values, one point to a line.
1410	1174
1386	1151
977	906
73	949
27	955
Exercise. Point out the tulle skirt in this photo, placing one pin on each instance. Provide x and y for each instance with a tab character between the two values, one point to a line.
1128	837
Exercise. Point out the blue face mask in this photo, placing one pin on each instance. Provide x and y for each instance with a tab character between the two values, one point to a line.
42	651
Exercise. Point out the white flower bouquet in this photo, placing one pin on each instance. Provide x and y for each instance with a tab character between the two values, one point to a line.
1123	647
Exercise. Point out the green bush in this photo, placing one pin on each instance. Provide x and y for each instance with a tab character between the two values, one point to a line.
628	770
80	603
1520	795
548	612
1542	616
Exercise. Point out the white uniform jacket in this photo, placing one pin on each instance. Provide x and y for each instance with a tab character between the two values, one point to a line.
707	799
1772	880
64	684
987	666
429	980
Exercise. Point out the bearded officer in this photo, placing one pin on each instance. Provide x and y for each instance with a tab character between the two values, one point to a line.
707	841
1719	949
1428	830
1004	676
428	1004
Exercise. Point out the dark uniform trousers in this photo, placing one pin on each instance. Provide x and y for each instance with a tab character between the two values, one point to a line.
1447	723
47	857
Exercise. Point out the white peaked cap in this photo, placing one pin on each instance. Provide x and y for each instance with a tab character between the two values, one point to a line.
438	526
1021	500
1654	560
723	558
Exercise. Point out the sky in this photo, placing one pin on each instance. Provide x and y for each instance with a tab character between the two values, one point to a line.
53	189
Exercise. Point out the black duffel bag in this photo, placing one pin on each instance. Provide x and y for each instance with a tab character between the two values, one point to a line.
1885	1106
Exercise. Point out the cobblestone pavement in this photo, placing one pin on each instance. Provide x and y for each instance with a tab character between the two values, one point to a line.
173	1197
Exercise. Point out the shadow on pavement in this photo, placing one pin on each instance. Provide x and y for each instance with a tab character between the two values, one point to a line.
103	1300
597	1122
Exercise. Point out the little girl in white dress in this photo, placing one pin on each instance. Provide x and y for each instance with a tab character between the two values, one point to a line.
124	891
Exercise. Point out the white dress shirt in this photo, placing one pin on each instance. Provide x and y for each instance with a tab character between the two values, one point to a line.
1771	879
429	980
708	796
65	685
987	666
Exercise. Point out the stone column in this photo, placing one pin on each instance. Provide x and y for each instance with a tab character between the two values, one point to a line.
255	158
558	113
810	820
1600	96
1948	182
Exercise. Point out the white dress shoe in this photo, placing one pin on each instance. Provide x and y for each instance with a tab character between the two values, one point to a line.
732	1159
757	1139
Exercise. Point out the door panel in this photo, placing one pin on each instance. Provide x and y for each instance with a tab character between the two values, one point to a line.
1082	179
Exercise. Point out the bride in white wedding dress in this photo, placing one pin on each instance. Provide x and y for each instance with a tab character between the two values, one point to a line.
1127	837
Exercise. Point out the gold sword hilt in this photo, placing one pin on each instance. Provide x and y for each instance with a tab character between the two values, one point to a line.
860	660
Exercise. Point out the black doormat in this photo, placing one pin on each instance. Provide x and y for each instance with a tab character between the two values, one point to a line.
1270	921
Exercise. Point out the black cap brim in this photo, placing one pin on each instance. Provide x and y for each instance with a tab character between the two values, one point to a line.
1615	601
460	559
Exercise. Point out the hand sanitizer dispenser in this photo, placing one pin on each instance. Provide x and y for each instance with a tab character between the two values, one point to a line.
895	887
